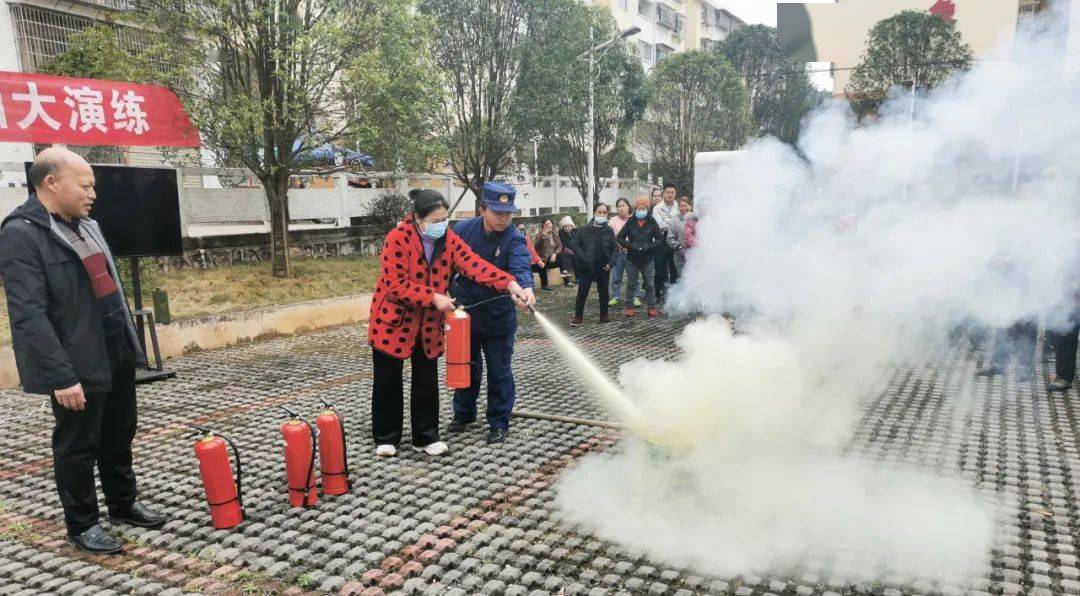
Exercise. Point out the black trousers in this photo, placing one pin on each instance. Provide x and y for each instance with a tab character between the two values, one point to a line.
1017	340
388	399
586	277
562	262
542	271
666	273
566	264
101	434
1064	343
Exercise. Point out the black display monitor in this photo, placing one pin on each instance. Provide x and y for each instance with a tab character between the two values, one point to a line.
138	209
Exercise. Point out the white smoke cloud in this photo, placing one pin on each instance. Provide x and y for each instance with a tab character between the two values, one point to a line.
845	260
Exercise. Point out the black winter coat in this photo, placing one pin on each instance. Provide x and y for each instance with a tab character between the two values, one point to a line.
595	247
567	240
56	324
641	241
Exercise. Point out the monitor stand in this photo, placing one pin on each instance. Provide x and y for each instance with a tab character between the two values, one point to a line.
143	316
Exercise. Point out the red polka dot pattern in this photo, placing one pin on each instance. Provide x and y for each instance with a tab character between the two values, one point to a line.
404	294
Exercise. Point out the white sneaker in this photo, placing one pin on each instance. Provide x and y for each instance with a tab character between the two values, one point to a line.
386	451
436	448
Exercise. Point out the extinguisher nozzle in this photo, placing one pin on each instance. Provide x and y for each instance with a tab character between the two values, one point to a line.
290	412
202	429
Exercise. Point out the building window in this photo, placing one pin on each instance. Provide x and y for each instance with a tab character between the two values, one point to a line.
663	51
624	5
645	51
645	9
545	211
667	17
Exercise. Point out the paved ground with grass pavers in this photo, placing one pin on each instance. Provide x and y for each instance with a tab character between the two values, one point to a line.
482	519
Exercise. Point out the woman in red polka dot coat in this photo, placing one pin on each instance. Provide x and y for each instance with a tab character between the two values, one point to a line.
419	258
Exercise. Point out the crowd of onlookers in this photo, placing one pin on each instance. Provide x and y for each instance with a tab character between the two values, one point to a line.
632	252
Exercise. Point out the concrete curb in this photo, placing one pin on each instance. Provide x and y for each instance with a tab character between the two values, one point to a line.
218	331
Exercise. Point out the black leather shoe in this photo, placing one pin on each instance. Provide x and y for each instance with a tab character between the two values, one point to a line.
457	426
989	371
139	515
96	541
497	435
1059	385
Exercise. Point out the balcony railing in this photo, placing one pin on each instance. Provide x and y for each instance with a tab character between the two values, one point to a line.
42	33
110	4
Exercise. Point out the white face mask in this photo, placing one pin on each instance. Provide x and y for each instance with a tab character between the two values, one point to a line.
435	231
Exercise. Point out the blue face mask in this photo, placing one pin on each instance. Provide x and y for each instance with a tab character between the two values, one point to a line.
600	219
641	214
435	231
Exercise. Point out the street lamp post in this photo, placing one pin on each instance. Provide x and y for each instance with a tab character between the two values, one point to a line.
591	130
911	124
592	51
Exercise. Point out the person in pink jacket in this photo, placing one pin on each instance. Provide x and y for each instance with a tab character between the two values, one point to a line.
683	235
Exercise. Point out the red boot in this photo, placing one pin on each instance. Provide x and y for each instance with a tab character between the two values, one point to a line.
653	313
629	313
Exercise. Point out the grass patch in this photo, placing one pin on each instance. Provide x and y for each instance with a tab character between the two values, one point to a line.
197	292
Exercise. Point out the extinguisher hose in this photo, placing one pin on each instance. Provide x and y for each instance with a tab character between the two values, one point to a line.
345	451
344	441
475	304
239	476
311	467
239	467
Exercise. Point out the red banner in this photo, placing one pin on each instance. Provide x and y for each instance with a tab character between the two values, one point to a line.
37	108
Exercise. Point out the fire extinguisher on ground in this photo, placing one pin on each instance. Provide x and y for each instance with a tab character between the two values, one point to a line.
333	455
224	495
300	449
458	349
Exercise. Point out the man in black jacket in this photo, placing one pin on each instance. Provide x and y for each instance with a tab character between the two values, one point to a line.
74	340
641	237
596	251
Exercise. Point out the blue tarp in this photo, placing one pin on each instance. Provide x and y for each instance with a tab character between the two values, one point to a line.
330	153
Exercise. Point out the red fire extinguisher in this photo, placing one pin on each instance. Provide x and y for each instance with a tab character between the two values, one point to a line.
458	349
299	460
223	494
333	456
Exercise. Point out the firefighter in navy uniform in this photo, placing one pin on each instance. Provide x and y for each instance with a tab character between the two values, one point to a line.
494	320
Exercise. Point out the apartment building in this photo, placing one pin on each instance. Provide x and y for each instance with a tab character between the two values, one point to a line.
669	26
